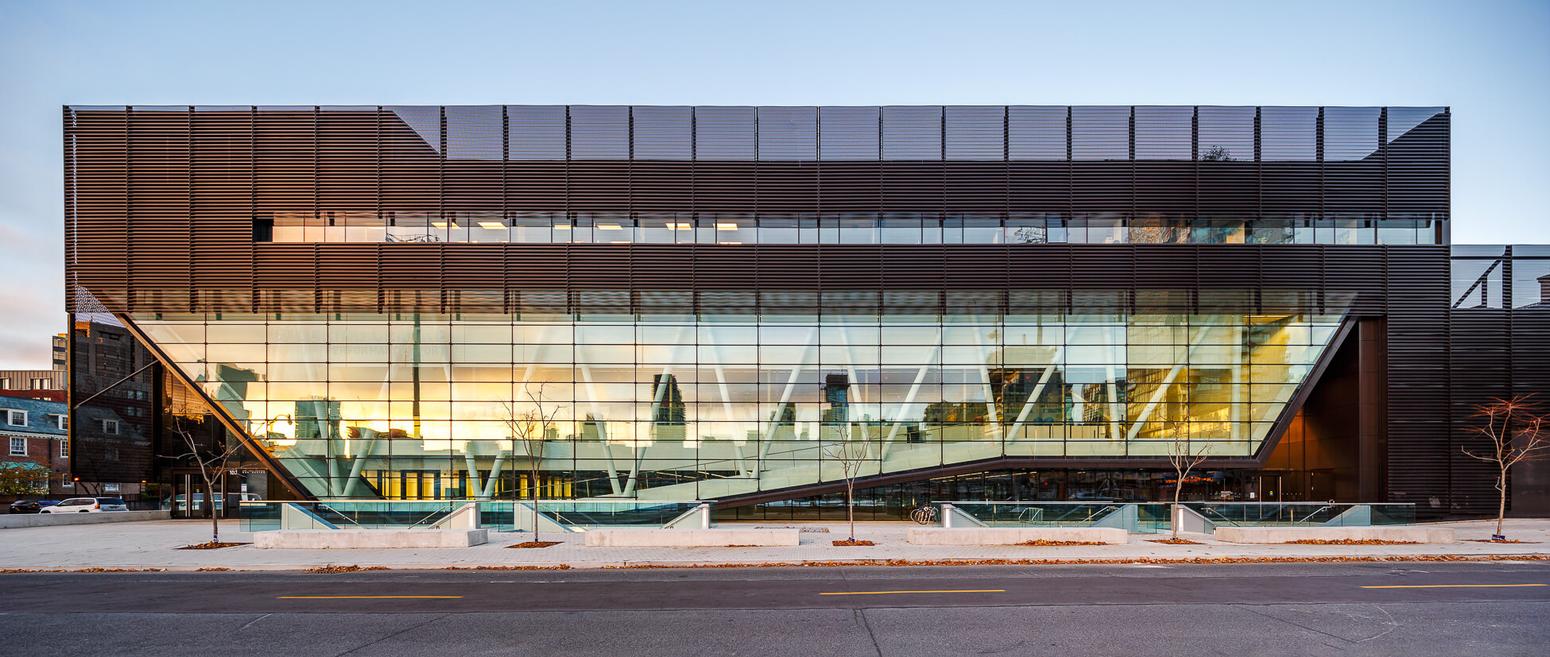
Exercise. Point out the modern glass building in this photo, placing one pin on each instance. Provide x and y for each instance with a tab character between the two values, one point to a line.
995	302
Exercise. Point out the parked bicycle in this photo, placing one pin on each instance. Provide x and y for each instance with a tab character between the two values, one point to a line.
924	515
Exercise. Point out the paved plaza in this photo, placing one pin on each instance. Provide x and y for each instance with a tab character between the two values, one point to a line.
136	545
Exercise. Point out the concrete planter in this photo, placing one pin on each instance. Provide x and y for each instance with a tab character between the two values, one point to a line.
17	520
1401	534
348	539
1015	535
693	537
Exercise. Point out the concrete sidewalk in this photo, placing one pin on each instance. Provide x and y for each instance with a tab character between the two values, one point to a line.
152	545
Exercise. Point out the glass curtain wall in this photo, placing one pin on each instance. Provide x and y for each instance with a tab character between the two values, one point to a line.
682	407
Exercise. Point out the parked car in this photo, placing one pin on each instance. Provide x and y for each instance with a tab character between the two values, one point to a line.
31	506
88	505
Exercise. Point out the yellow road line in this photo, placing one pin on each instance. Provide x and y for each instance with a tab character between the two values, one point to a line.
1453	586
368	597
907	592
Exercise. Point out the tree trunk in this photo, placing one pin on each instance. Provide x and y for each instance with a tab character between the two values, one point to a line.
1178	489
534	482
1501	502
850	508
215	518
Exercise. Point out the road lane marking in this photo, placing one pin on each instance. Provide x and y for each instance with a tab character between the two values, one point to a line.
1454	586
909	592
368	597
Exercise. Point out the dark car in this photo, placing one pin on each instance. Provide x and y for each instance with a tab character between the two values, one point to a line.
31	506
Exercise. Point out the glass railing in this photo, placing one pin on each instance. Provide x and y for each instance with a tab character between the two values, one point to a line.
1136	518
1303	514
1154	517
498	515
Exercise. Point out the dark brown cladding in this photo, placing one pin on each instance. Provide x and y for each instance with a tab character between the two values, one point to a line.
161	202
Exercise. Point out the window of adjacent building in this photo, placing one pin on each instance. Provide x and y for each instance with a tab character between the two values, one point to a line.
110	488
41	384
64	448
18	446
110	427
67	483
16	418
5	384
60	422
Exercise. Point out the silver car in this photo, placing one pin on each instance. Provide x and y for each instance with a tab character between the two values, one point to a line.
88	505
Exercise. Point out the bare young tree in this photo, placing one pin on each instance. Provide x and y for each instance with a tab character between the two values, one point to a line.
212	461
1183	459
851	455
531	427
1515	431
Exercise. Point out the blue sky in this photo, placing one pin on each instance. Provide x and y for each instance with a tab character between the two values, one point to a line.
1489	60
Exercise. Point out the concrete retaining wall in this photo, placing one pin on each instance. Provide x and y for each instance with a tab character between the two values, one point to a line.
1015	535
347	539
16	520
1405	534
782	537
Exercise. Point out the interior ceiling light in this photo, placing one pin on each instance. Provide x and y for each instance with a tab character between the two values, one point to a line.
492	225
721	226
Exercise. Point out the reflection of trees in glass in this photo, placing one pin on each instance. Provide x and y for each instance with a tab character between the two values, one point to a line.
1216	153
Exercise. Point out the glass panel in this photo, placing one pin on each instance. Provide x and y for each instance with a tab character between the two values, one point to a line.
421	407
912	133
788	133
849	133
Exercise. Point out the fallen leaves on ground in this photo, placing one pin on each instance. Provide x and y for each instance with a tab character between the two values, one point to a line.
332	569
1348	541
1173	541
210	545
560	566
213	569
849	563
1048	543
853	542
533	544
1492	540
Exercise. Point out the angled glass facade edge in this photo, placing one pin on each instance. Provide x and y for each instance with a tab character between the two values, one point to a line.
697	406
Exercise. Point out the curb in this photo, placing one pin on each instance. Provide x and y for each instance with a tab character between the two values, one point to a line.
805	563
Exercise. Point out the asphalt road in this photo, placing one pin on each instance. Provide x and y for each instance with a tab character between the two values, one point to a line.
1495	609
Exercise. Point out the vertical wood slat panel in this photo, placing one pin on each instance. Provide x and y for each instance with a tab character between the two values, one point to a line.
159	204
221	234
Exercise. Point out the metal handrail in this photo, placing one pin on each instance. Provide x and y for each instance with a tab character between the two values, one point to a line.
341	514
